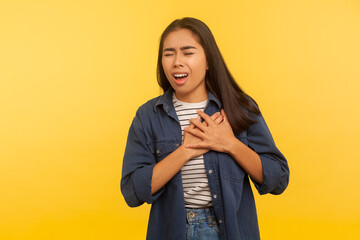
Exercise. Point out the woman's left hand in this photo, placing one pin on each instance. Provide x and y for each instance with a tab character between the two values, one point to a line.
217	137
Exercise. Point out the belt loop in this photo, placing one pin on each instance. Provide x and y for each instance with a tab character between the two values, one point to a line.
208	215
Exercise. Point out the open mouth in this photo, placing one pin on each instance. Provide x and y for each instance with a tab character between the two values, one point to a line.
180	76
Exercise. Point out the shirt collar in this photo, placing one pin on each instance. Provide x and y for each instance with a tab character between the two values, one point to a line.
166	100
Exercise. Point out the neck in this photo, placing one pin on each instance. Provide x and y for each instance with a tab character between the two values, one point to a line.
192	98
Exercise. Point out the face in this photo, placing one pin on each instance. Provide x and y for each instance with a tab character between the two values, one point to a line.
184	64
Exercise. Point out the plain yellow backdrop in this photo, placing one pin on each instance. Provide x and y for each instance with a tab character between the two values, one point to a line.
73	73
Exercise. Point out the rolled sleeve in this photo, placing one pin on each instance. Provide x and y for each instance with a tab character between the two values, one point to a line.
138	164
274	165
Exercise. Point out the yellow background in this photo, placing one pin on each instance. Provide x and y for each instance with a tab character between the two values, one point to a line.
73	73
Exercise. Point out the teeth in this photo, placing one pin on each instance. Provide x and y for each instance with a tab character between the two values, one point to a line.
180	75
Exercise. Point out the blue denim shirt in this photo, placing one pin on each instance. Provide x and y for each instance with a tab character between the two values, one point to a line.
155	132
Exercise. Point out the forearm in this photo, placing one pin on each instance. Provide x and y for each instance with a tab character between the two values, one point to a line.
248	159
167	168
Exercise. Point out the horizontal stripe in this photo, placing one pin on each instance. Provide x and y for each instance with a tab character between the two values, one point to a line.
195	183
199	187
179	109
193	171
194	180
188	115
197	160
197	174
201	195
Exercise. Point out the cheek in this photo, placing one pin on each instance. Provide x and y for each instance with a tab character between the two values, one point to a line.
200	67
163	63
165	66
166	70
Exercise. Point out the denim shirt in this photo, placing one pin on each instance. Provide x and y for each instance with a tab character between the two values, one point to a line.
155	132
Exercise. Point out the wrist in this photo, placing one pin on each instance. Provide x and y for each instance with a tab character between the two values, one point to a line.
185	152
232	146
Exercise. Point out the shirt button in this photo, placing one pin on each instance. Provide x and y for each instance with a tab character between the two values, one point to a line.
220	221
157	151
177	144
215	196
210	171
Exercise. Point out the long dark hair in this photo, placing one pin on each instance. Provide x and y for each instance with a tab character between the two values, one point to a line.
219	81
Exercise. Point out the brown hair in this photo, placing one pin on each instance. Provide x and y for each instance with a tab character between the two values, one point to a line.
219	81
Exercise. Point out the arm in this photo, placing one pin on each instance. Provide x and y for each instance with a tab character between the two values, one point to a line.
264	163
138	164
275	167
169	166
248	159
142	177
221	138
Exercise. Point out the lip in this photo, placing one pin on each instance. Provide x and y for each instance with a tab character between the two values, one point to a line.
180	81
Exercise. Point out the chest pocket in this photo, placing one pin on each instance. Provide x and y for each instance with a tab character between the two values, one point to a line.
229	168
163	148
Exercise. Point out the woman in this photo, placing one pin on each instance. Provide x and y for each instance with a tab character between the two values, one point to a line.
190	151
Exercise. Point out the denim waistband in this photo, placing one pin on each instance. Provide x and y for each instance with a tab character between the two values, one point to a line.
200	215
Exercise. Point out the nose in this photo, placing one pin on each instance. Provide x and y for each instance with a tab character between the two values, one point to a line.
178	60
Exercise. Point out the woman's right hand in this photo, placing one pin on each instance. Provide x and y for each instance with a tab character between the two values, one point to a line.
164	170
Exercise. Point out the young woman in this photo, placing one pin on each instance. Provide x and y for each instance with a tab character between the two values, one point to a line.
190	152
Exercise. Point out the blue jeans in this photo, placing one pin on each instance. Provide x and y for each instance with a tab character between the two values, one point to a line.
201	224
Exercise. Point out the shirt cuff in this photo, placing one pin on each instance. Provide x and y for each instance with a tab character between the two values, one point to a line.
272	175
142	184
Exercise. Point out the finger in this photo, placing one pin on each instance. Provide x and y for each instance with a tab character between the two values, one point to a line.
206	117
218	120
195	131
191	126
196	145
215	115
197	123
225	116
204	123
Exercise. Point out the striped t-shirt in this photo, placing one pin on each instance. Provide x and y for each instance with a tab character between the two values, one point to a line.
195	183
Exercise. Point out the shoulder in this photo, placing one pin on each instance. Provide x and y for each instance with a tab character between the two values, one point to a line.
144	115
153	105
148	106
149	110
250	109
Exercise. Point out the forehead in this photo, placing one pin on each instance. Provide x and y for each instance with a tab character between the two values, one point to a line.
181	37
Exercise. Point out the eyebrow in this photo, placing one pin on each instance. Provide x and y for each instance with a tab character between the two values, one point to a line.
182	48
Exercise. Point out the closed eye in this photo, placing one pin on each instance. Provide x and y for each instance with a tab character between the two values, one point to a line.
188	53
